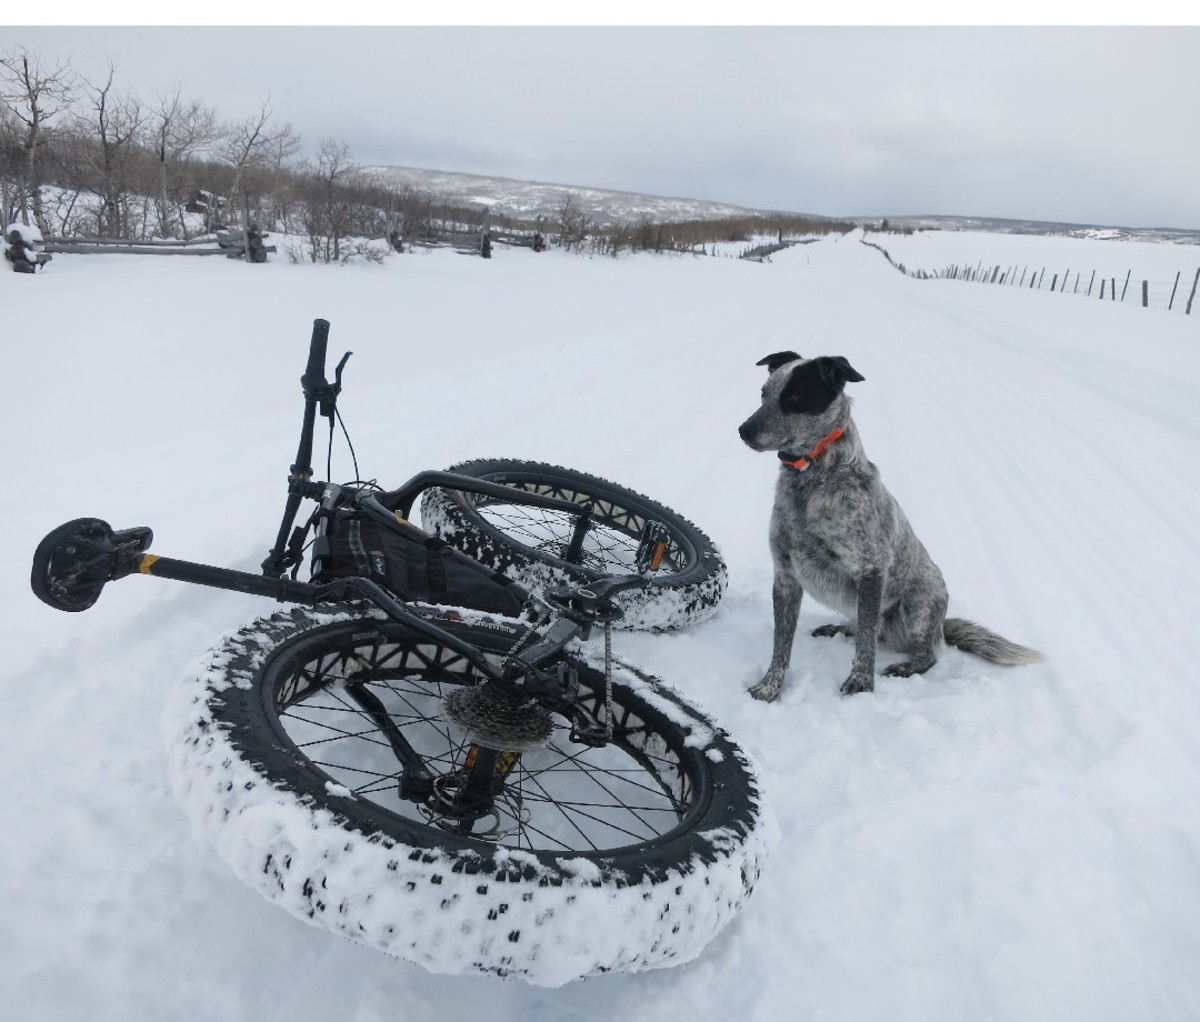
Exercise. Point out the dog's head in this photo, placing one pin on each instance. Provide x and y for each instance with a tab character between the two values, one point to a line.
802	401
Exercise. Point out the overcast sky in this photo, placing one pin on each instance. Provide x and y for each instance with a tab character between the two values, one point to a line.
1088	125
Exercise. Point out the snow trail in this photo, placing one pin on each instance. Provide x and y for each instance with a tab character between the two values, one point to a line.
1010	844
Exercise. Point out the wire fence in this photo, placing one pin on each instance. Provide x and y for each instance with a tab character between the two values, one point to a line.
1176	295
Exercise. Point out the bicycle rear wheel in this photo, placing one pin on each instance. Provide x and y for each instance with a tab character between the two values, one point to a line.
627	857
533	545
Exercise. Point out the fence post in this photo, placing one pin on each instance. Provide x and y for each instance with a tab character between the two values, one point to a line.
1193	294
1173	290
1053	283
246	228
1023	269
1102	289
1126	287
1090	283
1113	295
1145	294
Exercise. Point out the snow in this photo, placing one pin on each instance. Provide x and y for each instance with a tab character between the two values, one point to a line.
990	843
29	232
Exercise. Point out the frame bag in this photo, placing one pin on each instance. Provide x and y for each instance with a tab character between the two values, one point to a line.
416	566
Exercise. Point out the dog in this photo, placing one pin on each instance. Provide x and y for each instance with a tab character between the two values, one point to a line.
838	533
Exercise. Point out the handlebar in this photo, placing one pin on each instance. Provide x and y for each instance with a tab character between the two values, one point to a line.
314	373
317	390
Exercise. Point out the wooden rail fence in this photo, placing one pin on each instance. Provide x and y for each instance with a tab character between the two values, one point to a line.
1153	294
761	252
231	244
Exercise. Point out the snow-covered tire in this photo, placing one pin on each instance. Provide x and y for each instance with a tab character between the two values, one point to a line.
262	742
526	543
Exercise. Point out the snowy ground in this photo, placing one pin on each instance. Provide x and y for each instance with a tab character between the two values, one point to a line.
979	843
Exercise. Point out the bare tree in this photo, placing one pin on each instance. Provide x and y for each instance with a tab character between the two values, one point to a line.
178	129
35	95
114	122
11	152
278	178
328	204
573	224
256	143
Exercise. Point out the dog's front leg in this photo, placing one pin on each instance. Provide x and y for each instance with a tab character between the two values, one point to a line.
862	671
786	594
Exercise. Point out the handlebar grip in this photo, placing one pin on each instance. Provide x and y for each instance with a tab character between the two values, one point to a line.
316	351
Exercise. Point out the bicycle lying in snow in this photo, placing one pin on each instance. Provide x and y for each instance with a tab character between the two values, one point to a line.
424	755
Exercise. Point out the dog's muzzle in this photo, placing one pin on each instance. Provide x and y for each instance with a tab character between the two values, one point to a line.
749	432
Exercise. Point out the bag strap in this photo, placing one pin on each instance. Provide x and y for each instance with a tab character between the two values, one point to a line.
435	569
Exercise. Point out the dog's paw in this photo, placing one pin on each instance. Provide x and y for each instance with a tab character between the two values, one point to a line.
830	631
767	690
858	683
907	668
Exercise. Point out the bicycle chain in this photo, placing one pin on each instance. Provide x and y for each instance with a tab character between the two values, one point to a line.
608	682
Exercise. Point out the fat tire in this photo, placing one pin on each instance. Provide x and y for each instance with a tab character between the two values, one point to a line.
685	593
448	902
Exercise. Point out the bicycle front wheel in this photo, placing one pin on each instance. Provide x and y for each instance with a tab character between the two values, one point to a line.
533	545
584	860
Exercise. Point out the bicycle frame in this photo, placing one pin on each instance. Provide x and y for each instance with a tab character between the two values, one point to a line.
75	561
320	394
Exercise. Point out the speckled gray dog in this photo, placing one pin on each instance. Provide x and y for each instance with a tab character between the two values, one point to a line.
837	532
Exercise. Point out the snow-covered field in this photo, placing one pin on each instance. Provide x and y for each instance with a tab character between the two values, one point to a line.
980	843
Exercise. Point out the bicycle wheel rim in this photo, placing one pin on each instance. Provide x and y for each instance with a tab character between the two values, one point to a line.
638	792
611	544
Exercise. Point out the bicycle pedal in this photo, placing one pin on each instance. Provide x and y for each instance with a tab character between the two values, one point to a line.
652	546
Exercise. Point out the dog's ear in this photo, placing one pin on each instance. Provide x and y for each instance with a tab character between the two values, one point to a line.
814	386
780	358
837	372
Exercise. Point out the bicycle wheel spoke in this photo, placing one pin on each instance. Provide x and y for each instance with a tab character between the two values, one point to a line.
608	545
573	813
569	763
579	830
595	775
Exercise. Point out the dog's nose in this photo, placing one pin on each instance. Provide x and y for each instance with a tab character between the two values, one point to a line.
744	431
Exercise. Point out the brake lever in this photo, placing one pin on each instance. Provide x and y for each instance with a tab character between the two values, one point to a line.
326	393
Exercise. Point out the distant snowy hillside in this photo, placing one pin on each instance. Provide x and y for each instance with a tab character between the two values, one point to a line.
531	199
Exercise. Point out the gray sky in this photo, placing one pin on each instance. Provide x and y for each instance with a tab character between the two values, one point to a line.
1093	125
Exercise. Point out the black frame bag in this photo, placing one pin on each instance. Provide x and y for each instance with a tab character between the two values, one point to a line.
414	565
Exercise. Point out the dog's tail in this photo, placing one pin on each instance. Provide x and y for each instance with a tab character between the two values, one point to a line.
973	638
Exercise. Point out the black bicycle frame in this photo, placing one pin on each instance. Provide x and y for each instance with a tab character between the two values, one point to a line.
320	394
75	561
